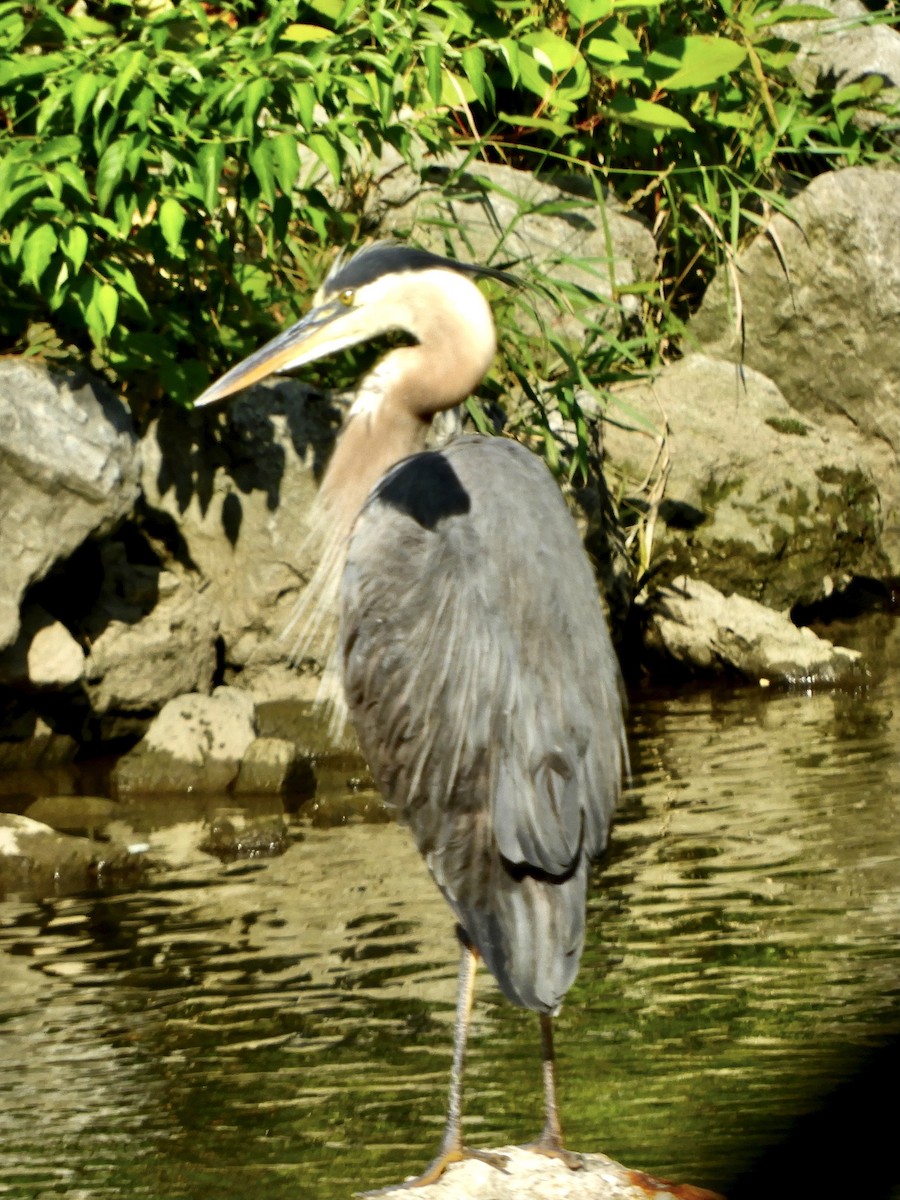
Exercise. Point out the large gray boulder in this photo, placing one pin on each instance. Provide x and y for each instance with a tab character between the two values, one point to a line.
844	48
820	297
752	497
68	469
228	492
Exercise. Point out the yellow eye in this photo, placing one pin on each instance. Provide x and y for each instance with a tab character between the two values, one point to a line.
347	297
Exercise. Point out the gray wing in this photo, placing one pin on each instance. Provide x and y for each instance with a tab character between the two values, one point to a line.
485	692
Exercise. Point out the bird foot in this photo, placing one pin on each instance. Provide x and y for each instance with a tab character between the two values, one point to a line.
439	1165
551	1147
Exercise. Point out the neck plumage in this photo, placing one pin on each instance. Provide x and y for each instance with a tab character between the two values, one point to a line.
371	442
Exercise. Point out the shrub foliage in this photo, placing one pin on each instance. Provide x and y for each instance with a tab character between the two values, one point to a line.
173	176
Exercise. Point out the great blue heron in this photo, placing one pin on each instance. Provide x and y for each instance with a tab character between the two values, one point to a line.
477	666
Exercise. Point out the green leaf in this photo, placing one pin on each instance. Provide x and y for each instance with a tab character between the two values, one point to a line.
694	62
647	114
75	245
509	48
17	239
84	89
211	161
37	252
110	169
73	176
125	282
305	99
586	12
135	63
474	65
550	62
171	222
285	160
55	148
605	50
305	33
254	94
792	12
456	90
108	305
559	128
100	305
324	150
431	55
260	160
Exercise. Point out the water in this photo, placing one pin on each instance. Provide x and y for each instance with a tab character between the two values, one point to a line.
282	1027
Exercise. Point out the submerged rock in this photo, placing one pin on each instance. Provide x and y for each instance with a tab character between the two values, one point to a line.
239	835
704	632
274	766
42	862
73	814
529	1176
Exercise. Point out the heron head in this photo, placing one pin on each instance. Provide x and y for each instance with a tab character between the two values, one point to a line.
383	288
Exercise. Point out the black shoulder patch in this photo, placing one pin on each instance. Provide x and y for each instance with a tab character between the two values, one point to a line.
426	488
393	258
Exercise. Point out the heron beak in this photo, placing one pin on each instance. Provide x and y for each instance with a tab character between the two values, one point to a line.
326	329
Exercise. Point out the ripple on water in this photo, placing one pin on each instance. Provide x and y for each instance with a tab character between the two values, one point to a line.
285	1026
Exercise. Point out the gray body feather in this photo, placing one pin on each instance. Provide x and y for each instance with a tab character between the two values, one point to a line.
484	689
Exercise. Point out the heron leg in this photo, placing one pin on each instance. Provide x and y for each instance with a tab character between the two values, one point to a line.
550	1141
451	1149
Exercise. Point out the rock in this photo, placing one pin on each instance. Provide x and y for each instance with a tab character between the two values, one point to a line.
30	743
86	815
820	297
695	626
239	835
528	1176
757	500
152	637
68	469
487	213
227	494
41	862
845	49
195	744
44	655
55	660
273	766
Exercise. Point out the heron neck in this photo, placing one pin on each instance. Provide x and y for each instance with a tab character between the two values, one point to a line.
370	444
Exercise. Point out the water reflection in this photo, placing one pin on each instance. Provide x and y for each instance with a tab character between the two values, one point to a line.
285	1025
